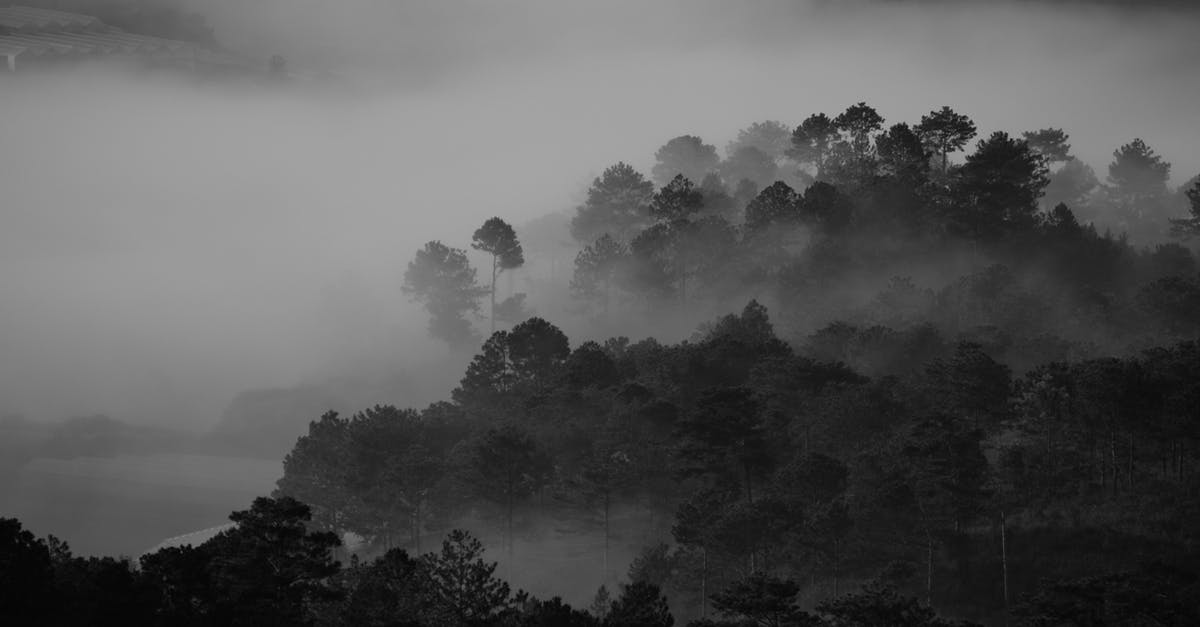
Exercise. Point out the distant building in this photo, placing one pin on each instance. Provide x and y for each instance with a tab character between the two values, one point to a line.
31	37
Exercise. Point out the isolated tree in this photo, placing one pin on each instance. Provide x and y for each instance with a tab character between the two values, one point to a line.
812	141
944	131
616	205
596	270
686	155
770	137
443	279
499	240
1050	143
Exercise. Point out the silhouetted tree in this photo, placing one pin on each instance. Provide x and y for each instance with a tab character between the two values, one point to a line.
778	204
26	576
812	142
499	240
859	122
998	189
1050	143
944	131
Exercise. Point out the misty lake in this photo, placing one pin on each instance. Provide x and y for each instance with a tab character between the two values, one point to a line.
125	505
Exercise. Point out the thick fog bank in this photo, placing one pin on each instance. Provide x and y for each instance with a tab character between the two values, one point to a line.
166	245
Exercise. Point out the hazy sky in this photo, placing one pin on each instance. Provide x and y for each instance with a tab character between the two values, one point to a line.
164	245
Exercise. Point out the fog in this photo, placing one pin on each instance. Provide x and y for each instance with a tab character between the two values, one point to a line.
165	245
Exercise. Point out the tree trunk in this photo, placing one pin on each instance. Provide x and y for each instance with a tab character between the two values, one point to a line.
836	563
928	568
510	535
1004	562
492	315
1129	471
606	505
1112	458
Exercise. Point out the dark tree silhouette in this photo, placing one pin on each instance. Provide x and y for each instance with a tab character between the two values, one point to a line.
812	142
1050	143
499	240
998	189
778	204
944	131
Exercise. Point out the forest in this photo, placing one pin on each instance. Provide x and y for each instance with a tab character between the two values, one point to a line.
958	383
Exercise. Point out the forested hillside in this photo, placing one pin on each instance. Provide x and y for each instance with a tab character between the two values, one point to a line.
961	379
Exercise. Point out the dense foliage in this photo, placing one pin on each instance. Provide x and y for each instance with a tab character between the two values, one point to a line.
965	400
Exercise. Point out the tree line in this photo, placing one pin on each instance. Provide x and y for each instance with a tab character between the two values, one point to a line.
794	216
